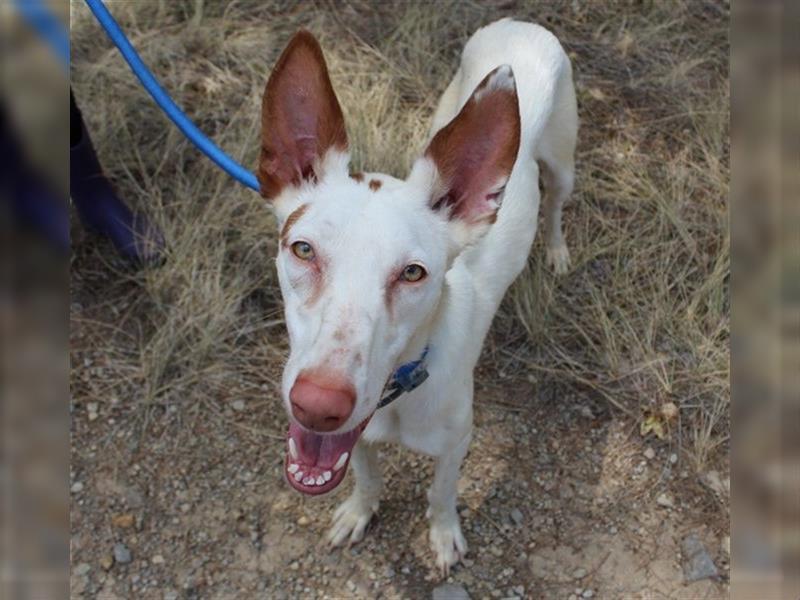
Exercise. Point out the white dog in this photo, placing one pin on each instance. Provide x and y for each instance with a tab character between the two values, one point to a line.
387	282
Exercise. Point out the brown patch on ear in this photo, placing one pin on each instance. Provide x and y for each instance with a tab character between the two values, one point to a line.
375	185
359	177
300	117
478	147
291	220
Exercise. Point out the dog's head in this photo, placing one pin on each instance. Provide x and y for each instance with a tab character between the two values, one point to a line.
362	259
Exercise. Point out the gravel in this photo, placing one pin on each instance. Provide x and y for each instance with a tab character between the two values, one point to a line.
697	563
450	591
122	554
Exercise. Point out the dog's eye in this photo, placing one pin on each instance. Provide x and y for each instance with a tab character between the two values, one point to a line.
303	250
413	272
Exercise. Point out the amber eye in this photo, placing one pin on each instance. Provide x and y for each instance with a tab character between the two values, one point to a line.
303	250
413	273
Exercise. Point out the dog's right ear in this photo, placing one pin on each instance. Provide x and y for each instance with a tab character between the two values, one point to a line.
301	120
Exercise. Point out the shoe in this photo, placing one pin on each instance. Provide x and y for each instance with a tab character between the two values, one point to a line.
133	235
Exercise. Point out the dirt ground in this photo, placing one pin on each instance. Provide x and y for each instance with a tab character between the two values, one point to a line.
178	435
558	499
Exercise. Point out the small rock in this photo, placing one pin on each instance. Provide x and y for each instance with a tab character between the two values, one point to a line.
450	591
586	412
303	521
579	573
673	458
238	405
121	553
669	411
92	416
665	500
82	569
106	562
77	487
351	586
92	407
123	521
588	593
497	551
516	516
186	507
157	560
649	454
697	563
170	595
714	482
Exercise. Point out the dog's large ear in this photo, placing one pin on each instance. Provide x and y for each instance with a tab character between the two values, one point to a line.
468	162
301	120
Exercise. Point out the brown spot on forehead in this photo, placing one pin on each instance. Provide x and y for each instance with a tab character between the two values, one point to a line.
375	185
291	220
359	177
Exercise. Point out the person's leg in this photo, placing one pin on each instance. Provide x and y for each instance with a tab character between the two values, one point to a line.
32	201
99	207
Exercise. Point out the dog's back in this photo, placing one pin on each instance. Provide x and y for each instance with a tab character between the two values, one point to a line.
548	118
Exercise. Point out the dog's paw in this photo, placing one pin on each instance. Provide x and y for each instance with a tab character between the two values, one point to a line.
558	259
350	521
448	545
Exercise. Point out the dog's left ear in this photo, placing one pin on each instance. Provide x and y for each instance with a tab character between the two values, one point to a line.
468	162
301	120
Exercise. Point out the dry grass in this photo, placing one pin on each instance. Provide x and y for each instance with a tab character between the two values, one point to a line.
641	319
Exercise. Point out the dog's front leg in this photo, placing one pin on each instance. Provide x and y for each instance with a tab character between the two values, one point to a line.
447	541
353	515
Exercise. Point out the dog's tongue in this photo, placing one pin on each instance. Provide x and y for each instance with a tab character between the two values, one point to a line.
316	463
318	450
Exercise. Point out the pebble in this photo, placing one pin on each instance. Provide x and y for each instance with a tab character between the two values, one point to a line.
697	563
238	405
579	573
82	569
303	521
588	593
77	487
157	560
170	595
450	591
351	586
516	516
123	521
649	454
106	562
665	500
121	553
673	458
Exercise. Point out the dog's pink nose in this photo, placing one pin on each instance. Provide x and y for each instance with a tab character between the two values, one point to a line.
321	408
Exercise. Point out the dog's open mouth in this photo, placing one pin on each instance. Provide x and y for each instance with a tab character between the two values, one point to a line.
316	463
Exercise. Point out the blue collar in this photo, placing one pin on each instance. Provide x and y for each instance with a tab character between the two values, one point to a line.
406	377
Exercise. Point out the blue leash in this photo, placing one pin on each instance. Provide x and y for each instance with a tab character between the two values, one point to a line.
50	29
189	129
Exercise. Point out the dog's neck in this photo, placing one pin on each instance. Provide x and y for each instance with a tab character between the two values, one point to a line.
422	336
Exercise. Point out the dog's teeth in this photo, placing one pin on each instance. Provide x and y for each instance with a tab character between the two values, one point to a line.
292	449
327	475
293	468
320	480
340	463
298	476
308	481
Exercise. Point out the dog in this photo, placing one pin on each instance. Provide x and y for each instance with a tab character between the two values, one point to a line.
390	285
